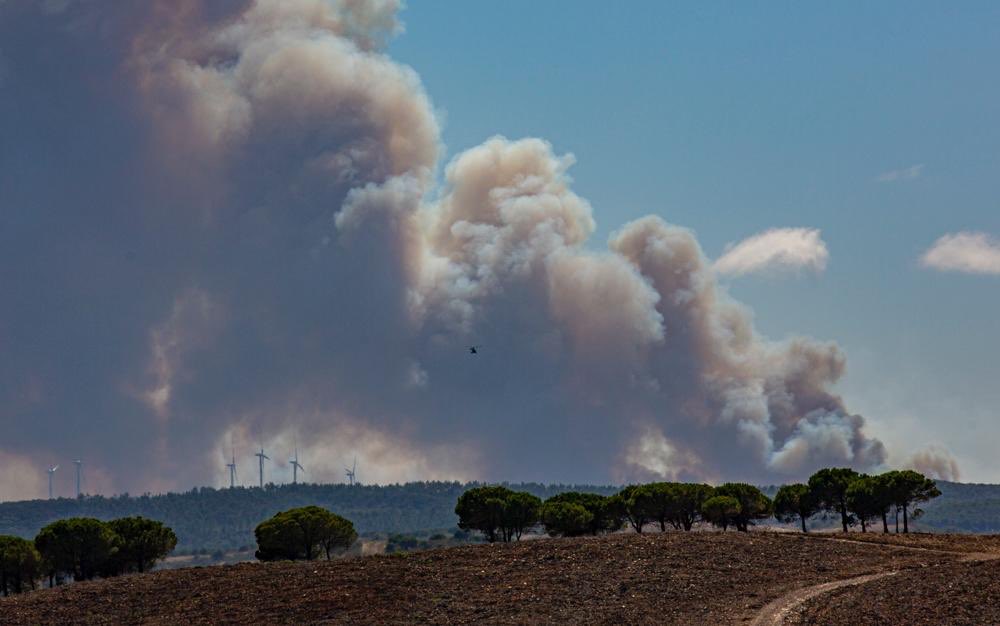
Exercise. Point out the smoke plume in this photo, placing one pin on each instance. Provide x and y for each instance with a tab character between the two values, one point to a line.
220	226
936	462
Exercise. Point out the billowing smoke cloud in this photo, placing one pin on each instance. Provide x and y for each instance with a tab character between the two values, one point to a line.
969	252
220	228
775	250
936	462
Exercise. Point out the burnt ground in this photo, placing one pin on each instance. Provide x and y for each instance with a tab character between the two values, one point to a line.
954	594
669	578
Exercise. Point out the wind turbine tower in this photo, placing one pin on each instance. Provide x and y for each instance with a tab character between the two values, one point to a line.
296	466
52	470
262	457
232	470
79	465
352	472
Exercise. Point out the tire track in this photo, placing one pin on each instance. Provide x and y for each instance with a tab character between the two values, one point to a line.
777	611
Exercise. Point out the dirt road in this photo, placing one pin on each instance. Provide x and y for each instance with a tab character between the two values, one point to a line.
786	609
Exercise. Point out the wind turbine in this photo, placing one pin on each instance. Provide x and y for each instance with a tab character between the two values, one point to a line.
52	470
232	470
352	472
296	466
261	456
79	464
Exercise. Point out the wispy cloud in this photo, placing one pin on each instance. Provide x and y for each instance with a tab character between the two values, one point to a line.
907	173
775	250
969	252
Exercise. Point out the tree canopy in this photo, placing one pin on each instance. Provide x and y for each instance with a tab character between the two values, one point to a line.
721	511
908	489
481	509
78	546
20	565
303	533
829	487
567	519
795	502
142	543
754	505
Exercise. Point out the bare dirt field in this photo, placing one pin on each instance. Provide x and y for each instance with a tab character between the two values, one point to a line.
671	578
954	594
928	541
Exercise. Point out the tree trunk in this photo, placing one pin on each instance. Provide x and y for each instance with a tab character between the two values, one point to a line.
864	525
906	525
896	511
843	517
803	524
885	523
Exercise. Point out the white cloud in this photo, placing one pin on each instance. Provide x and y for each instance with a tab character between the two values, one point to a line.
969	252
774	250
907	173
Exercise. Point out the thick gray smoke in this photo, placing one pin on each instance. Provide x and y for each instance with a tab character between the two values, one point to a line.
219	225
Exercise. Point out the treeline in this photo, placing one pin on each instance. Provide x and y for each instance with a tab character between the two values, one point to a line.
503	514
224	519
857	498
209	520
82	548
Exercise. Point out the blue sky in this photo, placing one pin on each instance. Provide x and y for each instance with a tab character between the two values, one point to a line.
731	119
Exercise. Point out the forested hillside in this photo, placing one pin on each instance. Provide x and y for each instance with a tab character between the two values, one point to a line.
963	507
214	519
